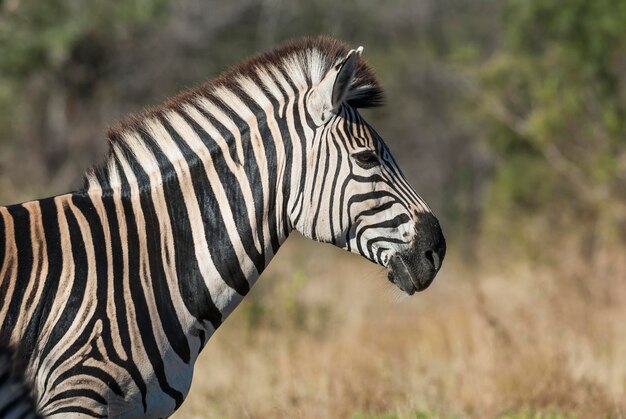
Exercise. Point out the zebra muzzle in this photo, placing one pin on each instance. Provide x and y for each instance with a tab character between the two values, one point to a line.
413	270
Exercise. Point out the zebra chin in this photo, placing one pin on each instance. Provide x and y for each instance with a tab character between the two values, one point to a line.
410	273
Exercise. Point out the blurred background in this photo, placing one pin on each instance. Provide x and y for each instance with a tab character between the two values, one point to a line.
508	117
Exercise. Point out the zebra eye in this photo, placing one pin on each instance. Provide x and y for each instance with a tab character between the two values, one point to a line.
366	159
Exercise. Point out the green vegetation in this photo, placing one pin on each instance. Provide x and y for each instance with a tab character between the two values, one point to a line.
37	36
553	96
54	57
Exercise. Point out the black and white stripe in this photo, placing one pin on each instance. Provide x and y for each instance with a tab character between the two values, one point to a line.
111	292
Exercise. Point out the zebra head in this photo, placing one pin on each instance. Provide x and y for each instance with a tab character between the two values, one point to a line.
355	195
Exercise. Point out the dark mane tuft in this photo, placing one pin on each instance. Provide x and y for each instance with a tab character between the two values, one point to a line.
365	93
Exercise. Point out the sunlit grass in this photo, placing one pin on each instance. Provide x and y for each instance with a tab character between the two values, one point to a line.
325	335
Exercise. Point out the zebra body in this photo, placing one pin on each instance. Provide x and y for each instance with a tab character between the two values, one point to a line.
111	292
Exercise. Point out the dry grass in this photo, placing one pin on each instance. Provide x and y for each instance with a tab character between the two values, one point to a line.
324	335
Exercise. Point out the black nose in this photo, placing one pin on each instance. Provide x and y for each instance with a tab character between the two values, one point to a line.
433	257
415	268
430	241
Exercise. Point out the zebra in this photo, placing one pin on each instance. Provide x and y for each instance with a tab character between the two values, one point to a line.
111	291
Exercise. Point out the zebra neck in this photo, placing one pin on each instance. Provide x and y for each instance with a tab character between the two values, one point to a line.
210	205
207	246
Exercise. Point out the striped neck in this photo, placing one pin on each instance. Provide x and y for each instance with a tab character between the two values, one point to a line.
206	165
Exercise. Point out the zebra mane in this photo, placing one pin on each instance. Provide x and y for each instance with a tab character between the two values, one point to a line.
303	62
308	57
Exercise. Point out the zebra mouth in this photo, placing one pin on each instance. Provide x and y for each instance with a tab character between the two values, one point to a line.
410	274
406	286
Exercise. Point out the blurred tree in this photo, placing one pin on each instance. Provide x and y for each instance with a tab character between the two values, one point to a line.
554	94
54	56
36	35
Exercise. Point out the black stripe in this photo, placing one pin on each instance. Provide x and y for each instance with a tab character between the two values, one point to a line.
88	370
144	322
307	114
299	127
4	282
223	252
77	293
398	180
379	253
47	299
165	306
120	302
317	175
387	240
333	188
76	410
38	260
21	220
283	127
85	205
194	291
348	123
393	223
373	178
271	161
3	248
103	176
374	195
342	193
80	392
232	188
379	209
286	186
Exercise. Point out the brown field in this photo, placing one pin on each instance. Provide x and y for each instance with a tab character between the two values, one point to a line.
324	334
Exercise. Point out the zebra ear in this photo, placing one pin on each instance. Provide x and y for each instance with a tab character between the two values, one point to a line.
334	88
344	78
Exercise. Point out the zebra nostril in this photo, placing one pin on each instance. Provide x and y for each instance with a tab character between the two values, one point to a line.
433	258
